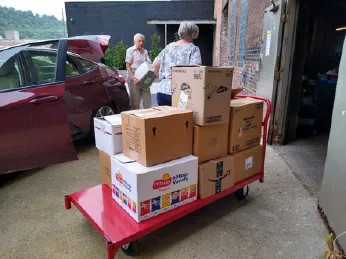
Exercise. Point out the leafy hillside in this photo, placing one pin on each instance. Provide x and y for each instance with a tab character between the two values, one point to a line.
30	26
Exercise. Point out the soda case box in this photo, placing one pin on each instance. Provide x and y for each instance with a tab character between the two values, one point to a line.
144	73
145	192
108	134
204	90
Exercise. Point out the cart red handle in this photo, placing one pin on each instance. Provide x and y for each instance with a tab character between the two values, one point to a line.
264	124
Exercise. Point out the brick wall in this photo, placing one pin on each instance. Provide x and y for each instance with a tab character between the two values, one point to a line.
247	76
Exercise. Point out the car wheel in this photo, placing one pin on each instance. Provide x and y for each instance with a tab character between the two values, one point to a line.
105	111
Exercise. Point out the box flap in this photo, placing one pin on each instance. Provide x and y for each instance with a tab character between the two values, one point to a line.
187	66
123	159
114	120
236	91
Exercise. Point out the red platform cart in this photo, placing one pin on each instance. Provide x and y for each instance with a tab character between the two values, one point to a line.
121	231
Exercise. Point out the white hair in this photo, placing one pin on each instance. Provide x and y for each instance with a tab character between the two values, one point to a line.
188	30
138	35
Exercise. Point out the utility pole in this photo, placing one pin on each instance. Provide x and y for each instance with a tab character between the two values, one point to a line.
63	21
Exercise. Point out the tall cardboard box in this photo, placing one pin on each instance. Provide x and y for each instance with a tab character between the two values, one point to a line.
145	192
215	176
157	135
105	169
204	90
108	134
247	163
210	142
245	124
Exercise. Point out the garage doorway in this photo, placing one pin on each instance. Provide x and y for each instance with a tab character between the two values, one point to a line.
305	77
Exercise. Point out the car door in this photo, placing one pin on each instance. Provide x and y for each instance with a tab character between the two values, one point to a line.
85	92
34	131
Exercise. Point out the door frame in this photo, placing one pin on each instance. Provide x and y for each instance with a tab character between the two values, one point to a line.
284	67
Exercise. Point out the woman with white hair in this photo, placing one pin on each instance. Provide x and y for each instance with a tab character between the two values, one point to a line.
180	53
135	56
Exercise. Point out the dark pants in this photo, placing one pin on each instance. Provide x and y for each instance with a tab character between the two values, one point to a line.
164	99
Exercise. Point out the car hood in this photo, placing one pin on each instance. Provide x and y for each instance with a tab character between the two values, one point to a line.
91	47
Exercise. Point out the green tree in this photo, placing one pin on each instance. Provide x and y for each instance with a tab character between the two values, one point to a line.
29	25
120	55
155	46
115	56
176	36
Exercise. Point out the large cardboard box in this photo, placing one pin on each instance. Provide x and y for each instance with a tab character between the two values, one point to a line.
145	192
145	75
214	176
245	124
247	163
105	169
204	90
157	135
210	142
108	134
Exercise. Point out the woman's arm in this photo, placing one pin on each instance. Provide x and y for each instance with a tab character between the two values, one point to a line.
196	58
156	68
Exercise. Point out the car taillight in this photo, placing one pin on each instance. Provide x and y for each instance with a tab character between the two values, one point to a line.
121	79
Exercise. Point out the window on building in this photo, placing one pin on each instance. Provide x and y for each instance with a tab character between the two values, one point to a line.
233	17
242	33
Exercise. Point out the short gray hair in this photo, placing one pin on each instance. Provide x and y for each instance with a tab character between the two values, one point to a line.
188	30
138	35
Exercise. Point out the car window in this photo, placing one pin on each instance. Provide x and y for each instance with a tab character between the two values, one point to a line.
10	75
71	69
87	65
41	65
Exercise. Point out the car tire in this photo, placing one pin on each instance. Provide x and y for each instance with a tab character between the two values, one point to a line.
97	113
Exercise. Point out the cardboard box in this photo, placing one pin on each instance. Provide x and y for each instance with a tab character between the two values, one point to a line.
145	192
214	176
105	169
247	163
245	124
145	75
210	142
157	135
108	134
204	90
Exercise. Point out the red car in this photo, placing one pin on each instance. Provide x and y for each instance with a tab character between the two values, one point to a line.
49	95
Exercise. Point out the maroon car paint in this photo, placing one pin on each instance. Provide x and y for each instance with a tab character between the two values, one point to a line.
34	130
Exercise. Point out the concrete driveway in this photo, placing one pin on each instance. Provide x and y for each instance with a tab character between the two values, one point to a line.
279	219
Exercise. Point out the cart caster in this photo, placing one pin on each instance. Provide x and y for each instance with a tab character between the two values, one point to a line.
242	193
131	249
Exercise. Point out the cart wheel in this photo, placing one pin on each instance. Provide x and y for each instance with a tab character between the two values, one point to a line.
131	249
242	193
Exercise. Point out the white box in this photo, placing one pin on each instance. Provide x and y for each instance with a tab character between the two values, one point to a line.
108	134
144	73
145	192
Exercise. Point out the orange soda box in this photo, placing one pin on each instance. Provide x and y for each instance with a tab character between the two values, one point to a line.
145	192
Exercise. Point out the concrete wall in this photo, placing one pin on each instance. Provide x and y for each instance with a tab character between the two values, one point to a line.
246	76
332	196
122	20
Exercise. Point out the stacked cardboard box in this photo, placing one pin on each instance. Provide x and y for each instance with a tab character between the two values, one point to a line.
207	92
227	130
245	136
108	139
156	172
160	158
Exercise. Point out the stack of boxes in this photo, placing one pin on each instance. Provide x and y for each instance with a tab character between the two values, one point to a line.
160	158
